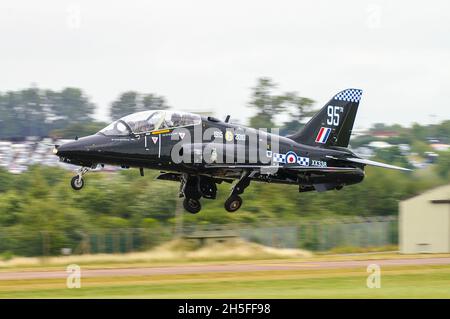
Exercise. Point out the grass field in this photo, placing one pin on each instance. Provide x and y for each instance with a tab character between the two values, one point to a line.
307	281
396	282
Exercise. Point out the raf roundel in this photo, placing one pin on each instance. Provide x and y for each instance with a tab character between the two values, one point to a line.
291	158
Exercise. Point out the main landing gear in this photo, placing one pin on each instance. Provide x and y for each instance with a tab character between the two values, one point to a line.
192	205
193	188
77	181
234	202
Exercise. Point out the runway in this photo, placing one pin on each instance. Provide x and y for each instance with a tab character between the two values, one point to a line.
223	268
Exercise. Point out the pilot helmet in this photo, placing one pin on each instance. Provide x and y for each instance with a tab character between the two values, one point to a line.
176	119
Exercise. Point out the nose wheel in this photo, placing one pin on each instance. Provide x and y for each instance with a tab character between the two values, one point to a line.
77	182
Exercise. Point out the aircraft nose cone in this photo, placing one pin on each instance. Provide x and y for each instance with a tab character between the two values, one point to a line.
69	147
80	147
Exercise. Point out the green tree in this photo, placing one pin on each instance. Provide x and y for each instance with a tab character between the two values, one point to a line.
154	102
10	208
69	106
126	104
23	113
420	147
266	103
298	109
442	131
269	104
9	122
419	131
34	112
392	155
131	102
443	165
31	109
6	180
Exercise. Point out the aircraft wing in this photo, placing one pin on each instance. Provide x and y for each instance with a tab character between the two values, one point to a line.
298	168
374	163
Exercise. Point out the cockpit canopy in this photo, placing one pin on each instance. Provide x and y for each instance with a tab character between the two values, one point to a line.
147	121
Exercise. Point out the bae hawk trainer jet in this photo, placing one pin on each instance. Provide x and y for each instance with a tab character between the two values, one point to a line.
200	152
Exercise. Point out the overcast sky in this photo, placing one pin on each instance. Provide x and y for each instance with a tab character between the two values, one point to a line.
206	55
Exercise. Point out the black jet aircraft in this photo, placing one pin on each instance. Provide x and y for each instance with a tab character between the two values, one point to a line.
200	152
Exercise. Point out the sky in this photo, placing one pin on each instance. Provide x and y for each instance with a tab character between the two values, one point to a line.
205	55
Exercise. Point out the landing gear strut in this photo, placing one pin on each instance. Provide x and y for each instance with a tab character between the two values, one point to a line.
193	188
77	181
234	202
189	190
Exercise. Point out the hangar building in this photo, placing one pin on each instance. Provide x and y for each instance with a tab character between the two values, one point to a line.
424	222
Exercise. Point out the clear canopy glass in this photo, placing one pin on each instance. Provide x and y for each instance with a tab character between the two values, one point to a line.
147	121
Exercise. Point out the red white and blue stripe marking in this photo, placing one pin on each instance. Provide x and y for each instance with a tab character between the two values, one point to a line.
322	137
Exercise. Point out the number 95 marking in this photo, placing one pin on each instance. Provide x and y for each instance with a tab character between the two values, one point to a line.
333	115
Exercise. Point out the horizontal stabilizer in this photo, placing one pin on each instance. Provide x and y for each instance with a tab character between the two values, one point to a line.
373	163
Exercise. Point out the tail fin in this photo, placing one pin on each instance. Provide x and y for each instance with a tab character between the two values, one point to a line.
333	124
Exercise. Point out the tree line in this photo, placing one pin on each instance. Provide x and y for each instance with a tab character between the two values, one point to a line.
69	112
41	201
38	112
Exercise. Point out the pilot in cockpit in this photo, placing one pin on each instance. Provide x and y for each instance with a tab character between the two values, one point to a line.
175	119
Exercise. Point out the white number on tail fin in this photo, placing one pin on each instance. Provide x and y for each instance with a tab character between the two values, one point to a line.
333	115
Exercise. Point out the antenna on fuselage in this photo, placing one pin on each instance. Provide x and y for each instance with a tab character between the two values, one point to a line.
227	119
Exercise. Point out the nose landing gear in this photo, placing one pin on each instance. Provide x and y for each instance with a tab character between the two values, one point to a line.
77	181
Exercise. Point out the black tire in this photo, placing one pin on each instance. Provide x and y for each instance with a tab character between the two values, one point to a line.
192	205
233	203
192	190
207	187
76	183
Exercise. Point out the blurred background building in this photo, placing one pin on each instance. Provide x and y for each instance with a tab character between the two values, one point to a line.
424	224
